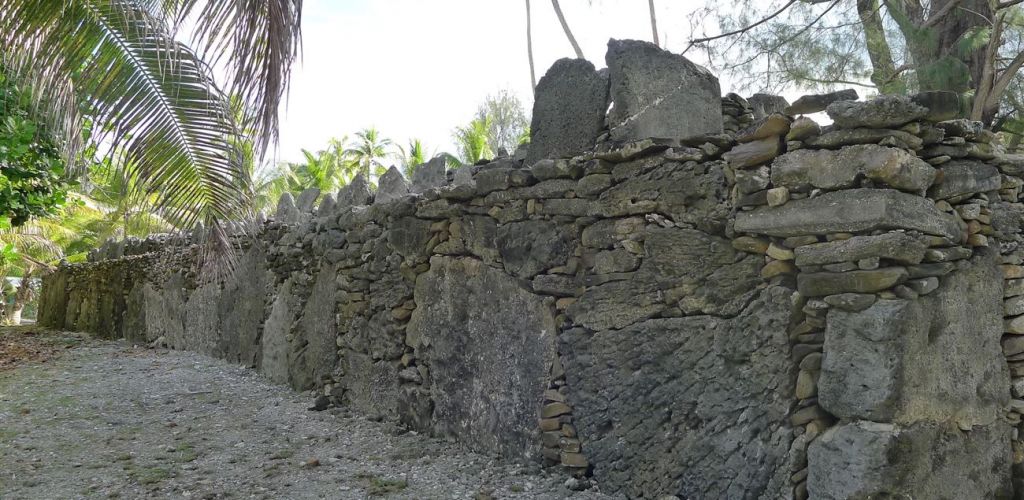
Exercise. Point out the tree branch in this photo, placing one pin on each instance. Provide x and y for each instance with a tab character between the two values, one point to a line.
742	30
936	17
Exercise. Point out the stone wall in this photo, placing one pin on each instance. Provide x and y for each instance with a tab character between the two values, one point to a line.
752	306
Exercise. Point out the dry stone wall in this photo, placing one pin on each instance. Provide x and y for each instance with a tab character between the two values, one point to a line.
754	306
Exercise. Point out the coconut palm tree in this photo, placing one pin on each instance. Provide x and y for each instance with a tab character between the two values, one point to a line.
368	151
529	47
412	157
152	99
565	28
472	140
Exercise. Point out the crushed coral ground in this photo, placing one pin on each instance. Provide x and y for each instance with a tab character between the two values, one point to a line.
112	420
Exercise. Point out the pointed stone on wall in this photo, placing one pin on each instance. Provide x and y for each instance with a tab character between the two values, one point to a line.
287	212
391	186
429	175
307	199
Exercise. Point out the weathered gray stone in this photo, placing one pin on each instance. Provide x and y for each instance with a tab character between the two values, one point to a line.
529	247
935	358
355	193
841	169
848	137
774	125
754	179
852	210
391	186
429	175
473	348
659	94
679	406
327	206
276	332
924	460
286	210
690	193
818	102
754	153
766	104
307	199
312	364
884	111
568	110
960	177
854	302
556	169
860	281
899	247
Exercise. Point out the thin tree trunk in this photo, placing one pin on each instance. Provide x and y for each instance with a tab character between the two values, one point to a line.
883	73
529	48
654	23
565	27
21	296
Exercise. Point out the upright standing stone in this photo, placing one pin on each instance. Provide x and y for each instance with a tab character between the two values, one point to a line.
391	186
766	104
429	175
307	199
568	110
286	210
660	94
354	194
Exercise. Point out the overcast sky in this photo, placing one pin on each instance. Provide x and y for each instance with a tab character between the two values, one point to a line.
418	68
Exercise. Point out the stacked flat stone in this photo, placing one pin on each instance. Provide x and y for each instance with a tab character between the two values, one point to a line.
736	113
559	440
865	218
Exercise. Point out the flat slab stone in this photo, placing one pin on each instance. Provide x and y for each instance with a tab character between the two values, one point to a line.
900	247
960	177
860	281
881	112
568	110
843	168
852	210
814	103
659	94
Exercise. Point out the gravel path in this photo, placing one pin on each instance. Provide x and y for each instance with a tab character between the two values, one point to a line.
107	420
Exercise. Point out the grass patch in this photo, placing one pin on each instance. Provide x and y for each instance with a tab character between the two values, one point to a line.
185	453
150	475
378	486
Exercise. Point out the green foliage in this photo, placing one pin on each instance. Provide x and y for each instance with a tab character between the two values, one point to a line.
412	157
368	151
31	168
506	121
154	101
472	141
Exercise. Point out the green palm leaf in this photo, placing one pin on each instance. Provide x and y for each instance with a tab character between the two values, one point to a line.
152	99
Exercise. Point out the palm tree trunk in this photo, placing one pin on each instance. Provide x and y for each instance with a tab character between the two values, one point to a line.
529	48
21	297
565	27
654	23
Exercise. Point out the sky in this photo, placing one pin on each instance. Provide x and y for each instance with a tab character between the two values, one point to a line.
419	68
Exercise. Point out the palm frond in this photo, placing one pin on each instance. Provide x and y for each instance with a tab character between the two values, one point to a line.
258	40
153	100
